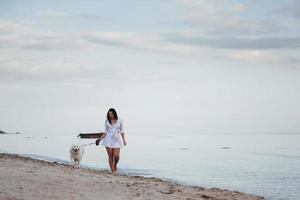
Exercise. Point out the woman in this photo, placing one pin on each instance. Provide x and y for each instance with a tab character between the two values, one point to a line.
114	138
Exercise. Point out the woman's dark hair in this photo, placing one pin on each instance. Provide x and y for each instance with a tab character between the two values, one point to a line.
114	112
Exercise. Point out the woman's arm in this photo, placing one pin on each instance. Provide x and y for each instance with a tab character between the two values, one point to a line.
103	135
123	133
123	137
105	131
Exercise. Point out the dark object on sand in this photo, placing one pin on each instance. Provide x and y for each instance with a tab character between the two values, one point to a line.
3	132
225	147
90	135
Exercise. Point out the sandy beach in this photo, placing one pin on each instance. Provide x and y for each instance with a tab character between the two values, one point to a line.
27	178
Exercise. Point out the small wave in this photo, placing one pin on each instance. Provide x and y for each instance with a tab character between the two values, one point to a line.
277	155
184	148
46	158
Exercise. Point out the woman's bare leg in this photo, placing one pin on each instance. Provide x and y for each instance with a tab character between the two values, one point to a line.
110	158
116	157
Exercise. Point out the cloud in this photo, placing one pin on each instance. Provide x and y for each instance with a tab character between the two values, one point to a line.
52	13
134	41
235	42
254	55
17	36
35	69
273	57
290	8
32	54
8	27
35	54
239	8
219	18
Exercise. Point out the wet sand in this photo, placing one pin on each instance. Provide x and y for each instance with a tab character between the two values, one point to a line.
27	178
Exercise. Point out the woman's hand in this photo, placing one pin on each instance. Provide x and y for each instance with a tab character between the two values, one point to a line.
123	137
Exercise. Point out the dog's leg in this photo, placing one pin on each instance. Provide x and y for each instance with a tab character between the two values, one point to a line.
72	160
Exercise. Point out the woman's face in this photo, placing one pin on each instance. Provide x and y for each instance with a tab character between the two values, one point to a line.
111	115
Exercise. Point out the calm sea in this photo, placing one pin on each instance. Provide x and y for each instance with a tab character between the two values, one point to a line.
262	164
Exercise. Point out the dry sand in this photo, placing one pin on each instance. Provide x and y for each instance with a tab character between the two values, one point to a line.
27	178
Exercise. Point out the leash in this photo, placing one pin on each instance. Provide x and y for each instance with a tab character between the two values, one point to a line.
88	144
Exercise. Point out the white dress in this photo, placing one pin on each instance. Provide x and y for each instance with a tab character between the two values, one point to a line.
113	138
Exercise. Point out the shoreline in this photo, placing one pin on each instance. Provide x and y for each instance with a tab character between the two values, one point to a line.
28	178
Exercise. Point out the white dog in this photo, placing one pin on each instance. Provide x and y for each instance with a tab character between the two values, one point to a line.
76	153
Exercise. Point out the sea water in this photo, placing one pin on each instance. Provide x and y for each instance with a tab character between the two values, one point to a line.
261	164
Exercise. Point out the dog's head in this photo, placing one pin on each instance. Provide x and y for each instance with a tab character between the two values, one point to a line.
75	149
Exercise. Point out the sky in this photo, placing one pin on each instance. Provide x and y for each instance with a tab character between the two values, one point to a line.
167	67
